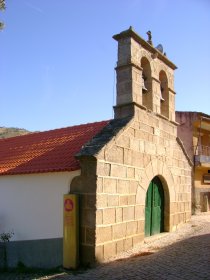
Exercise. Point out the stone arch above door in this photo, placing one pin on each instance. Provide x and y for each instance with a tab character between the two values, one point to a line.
156	168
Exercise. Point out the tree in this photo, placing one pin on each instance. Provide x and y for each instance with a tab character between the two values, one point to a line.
2	7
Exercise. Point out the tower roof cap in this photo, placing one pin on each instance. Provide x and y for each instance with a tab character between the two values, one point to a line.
148	46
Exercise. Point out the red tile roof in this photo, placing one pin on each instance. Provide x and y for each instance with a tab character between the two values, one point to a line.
49	151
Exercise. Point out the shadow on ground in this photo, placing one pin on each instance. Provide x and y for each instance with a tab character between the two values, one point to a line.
186	259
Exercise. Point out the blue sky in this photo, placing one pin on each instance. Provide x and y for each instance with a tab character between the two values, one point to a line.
57	58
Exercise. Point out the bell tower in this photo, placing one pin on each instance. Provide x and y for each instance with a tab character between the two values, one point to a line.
145	77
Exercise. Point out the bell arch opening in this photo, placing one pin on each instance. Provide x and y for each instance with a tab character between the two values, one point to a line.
164	94
146	83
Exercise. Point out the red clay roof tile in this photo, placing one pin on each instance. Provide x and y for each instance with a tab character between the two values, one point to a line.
49	151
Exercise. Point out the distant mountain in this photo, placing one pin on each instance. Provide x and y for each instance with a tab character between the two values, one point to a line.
6	132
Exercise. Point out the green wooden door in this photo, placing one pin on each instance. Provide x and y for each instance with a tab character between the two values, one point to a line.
154	208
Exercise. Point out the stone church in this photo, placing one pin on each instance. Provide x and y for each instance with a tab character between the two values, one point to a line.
132	173
136	175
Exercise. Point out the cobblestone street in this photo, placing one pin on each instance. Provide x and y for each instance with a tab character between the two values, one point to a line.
182	255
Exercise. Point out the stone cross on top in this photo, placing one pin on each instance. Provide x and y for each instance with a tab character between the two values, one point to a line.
149	33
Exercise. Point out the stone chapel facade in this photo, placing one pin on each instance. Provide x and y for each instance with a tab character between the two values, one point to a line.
135	174
132	174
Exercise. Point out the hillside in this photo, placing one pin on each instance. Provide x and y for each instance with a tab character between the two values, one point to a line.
6	132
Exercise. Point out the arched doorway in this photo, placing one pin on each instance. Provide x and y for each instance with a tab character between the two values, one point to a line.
154	208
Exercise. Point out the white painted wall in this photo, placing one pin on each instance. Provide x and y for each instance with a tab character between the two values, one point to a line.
32	205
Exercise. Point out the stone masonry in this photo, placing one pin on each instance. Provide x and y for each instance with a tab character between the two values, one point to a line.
124	172
118	165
